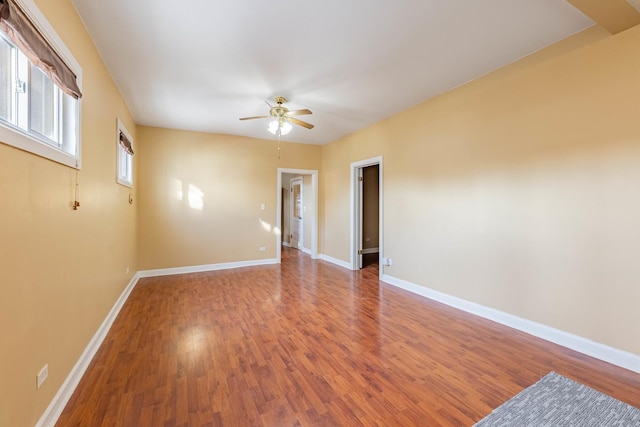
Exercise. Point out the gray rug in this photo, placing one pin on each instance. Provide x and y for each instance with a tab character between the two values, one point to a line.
556	401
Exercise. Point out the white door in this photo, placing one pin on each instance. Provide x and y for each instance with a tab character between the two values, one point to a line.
295	201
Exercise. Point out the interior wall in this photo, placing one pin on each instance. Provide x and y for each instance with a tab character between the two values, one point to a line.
61	271
370	207
517	191
230	176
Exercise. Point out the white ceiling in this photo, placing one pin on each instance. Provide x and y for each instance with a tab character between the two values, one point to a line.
202	64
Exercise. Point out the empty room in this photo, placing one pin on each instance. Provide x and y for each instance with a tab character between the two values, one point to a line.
282	213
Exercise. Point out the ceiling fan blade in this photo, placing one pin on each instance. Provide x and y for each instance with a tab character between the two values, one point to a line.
301	123
254	117
299	112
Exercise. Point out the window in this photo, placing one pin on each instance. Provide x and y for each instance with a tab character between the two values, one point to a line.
125	156
38	112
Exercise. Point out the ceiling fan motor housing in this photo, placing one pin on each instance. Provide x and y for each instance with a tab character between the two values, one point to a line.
279	111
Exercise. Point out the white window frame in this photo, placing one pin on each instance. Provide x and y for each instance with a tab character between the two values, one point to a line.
29	141
124	163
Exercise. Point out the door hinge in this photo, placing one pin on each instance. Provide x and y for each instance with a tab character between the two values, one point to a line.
359	251
360	178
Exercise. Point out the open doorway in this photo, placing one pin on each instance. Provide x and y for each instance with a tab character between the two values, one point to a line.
366	213
370	208
295	221
297	213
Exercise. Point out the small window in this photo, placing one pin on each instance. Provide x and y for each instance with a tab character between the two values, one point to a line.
125	156
36	113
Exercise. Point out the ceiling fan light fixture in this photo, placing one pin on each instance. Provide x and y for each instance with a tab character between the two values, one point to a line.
273	127
283	126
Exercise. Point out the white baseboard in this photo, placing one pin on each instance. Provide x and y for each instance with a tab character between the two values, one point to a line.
286	244
305	250
603	352
204	268
335	261
370	251
55	408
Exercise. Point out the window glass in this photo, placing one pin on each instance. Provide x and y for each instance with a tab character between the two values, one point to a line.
43	105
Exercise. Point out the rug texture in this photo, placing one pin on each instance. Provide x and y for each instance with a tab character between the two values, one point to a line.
556	401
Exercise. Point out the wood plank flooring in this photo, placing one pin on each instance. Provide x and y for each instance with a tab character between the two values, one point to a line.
310	344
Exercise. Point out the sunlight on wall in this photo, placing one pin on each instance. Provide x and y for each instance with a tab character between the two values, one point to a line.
195	195
268	227
265	225
177	189
196	198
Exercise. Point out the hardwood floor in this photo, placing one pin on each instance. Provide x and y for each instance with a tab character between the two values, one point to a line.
308	343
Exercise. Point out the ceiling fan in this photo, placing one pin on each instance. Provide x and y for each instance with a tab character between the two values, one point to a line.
282	117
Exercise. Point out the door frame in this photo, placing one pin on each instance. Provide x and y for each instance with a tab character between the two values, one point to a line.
314	198
296	181
356	214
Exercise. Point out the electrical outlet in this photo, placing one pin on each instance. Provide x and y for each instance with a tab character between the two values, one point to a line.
387	261
263	248
42	376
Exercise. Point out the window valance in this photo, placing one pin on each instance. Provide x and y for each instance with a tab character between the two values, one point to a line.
125	143
22	32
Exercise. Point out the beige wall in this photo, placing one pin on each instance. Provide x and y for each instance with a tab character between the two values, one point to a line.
235	175
518	191
61	271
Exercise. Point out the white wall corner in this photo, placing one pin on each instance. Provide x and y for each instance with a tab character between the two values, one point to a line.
600	351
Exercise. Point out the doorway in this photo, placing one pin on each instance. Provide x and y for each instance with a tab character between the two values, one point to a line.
308	236
296	208
366	213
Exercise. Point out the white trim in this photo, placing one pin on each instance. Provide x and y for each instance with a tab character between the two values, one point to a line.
205	268
314	223
55	408
354	232
338	262
305	250
600	351
370	251
287	245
